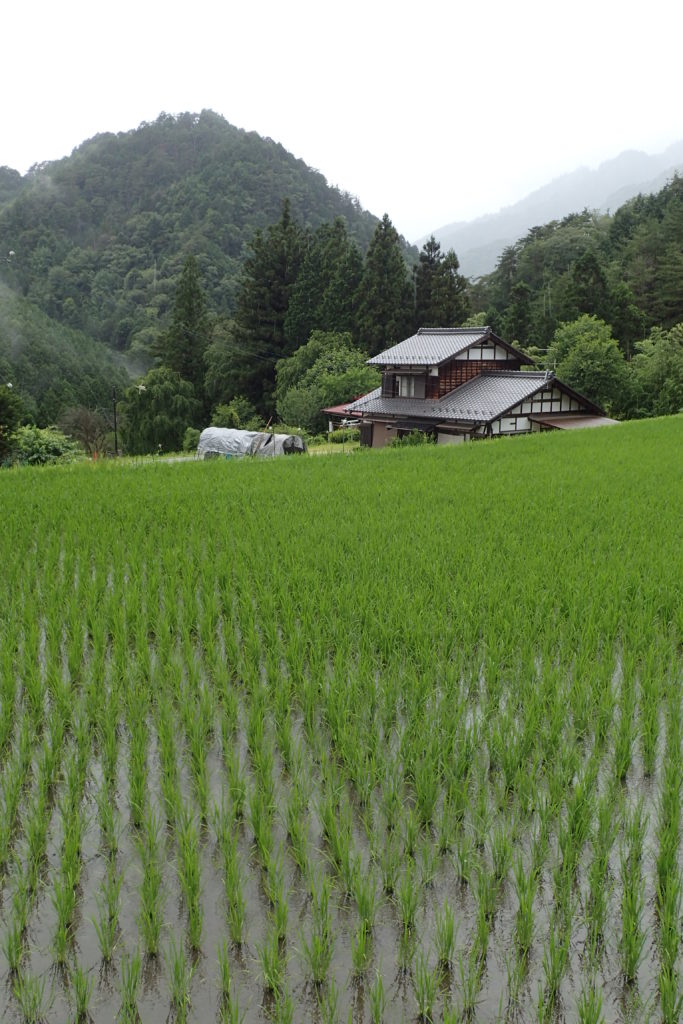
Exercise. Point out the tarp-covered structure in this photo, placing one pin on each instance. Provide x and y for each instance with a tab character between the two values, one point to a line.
223	442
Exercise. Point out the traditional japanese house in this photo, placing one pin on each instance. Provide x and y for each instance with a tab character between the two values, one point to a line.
461	383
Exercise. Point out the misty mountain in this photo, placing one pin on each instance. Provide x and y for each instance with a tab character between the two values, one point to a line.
99	237
480	242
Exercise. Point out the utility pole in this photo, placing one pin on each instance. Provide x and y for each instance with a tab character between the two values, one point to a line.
116	428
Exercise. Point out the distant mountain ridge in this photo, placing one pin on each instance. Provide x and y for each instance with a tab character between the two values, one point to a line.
480	242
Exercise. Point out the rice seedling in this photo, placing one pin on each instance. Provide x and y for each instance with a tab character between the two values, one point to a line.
361	944
150	914
445	935
179	979
273	962
317	951
589	1007
328	1003
130	983
29	993
108	905
425	987
81	986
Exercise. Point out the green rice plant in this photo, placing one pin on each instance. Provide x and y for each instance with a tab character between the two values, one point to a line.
130	983
377	999
13	945
470	969
273	963
150	914
29	993
429	861
108	905
426	783
555	956
407	897
361	945
425	987
189	876
411	830
632	941
82	986
670	994
589	1007
63	900
525	888
462	859
328	1003
179	979
445	935
389	864
283	1009
318	951
364	887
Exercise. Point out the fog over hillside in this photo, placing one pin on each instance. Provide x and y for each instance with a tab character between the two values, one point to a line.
479	242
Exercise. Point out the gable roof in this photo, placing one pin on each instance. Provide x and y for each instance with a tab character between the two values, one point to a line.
480	400
432	346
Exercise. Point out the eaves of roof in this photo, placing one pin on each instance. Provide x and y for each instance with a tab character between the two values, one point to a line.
434	346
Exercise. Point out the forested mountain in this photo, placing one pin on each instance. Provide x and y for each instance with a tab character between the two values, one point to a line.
480	242
626	269
52	367
100	237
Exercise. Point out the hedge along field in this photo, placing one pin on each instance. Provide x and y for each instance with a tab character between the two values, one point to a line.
390	737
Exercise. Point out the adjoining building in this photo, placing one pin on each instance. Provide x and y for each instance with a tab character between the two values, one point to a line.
465	383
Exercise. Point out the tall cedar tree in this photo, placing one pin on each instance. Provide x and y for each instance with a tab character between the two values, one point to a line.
270	271
385	308
323	296
182	347
440	290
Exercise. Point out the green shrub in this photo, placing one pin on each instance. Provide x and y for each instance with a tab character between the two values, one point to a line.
343	436
415	437
37	446
191	439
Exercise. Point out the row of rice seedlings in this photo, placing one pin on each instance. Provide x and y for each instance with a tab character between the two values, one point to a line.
669	887
151	850
632	940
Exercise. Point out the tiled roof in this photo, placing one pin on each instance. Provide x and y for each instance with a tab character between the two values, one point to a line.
481	399
489	395
431	346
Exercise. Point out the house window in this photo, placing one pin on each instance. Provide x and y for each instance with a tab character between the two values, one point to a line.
406	386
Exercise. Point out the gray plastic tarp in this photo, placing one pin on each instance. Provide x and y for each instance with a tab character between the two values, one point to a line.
222	441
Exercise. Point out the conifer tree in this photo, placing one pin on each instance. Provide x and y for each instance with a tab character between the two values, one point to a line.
182	347
440	289
385	308
269	273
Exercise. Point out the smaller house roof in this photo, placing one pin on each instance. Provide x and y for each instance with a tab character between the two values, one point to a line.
432	346
481	399
341	410
573	421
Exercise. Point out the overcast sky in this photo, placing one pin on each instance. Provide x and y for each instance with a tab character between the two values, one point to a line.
432	111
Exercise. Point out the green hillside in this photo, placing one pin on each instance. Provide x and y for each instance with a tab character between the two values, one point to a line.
50	366
100	236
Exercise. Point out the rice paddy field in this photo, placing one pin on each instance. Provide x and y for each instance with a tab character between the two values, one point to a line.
389	737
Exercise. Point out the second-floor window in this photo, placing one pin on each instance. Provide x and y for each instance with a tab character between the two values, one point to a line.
405	386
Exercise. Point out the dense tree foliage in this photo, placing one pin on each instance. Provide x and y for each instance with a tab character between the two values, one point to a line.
625	269
100	236
385	295
441	298
328	370
157	411
52	367
183	345
586	356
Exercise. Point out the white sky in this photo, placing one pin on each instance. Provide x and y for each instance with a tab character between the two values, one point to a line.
430	111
